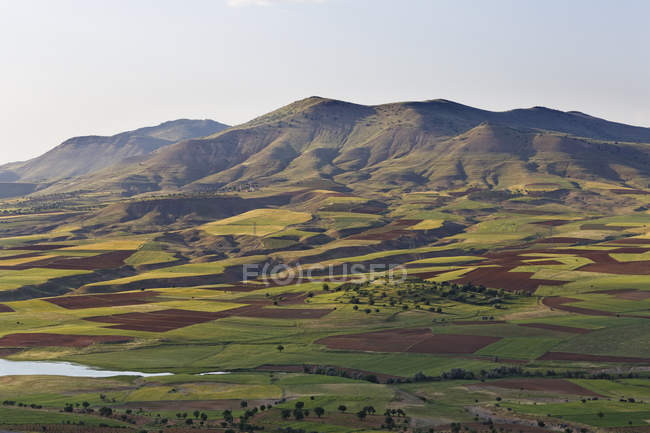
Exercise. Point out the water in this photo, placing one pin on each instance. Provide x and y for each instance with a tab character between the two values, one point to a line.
22	368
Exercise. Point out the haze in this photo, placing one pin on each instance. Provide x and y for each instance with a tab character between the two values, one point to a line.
74	68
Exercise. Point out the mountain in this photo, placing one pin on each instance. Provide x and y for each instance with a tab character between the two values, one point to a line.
432	144
81	155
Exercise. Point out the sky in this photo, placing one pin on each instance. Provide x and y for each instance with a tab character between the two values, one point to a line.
99	67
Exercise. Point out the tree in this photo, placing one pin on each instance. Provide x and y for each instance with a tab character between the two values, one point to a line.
85	404
204	417
286	413
105	411
196	414
280	347
298	414
243	404
343	408
361	415
319	411
300	405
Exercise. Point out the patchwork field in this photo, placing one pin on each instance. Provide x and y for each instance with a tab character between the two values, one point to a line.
335	312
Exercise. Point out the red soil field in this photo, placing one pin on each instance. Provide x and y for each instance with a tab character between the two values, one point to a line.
552	223
5	309
39	247
558	328
559	301
416	340
391	231
501	278
157	321
620	268
110	260
43	339
566	356
559	386
603	227
167	320
108	300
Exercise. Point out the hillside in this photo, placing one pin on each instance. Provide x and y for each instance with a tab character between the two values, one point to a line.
80	155
432	144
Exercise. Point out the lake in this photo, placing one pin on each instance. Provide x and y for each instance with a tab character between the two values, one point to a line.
21	368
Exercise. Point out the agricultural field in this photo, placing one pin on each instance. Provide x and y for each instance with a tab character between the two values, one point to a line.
334	312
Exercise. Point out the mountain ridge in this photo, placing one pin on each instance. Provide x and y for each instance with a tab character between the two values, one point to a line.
435	144
82	154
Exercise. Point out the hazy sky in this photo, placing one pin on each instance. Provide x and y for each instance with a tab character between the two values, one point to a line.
99	67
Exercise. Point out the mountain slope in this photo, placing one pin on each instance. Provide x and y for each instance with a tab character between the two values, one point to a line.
435	143
81	155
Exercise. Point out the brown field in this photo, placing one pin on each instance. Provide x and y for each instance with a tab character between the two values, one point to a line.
558	328
559	301
389	232
39	247
5	308
503	279
552	223
110	260
157	321
78	302
43	339
415	340
167	320
603	227
566	356
559	386
628	294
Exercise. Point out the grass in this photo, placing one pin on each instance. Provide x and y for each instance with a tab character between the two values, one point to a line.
260	222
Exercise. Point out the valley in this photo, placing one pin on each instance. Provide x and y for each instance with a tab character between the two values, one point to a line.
421	267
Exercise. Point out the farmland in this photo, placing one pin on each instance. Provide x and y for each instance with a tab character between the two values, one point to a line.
335	312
